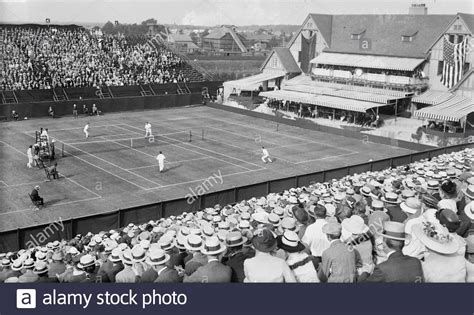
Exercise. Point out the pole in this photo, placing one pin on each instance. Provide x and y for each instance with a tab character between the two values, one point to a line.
62	149
190	136
202	134
444	128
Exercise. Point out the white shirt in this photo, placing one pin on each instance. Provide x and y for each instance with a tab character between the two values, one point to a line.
267	268
315	238
147	126
29	153
86	127
265	152
160	158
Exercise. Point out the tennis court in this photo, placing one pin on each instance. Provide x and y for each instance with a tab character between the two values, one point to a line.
206	150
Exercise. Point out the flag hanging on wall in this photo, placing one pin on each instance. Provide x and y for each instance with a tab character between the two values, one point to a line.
454	56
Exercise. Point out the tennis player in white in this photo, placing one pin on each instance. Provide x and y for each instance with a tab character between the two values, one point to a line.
161	161
86	130
266	157
148	130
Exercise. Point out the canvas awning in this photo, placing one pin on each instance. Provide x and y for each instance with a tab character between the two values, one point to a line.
454	109
253	82
432	97
321	100
368	61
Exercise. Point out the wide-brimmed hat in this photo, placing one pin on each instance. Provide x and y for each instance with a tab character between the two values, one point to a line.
193	242
157	256
355	225
391	197
86	261
234	239
244	224
264	241
332	228
411	205
273	219
40	267
290	242
115	256
435	238
469	191
213	246
469	210
394	230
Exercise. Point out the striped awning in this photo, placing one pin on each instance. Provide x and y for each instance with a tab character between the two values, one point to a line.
368	61
253	82
321	100
432	97
356	95
454	109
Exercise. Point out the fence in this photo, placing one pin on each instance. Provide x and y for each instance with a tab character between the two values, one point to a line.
68	228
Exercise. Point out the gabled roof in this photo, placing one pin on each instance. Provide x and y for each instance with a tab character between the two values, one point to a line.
384	33
469	20
286	59
217	33
324	24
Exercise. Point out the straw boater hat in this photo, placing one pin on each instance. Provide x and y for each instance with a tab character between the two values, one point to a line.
436	238
354	225
411	205
17	265
469	210
86	261
290	242
157	256
41	267
392	198
394	230
193	242
234	239
213	246
115	256
469	191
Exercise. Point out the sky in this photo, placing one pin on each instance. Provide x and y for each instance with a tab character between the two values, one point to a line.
208	12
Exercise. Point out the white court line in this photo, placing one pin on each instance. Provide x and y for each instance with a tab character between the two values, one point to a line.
104	170
240	135
328	157
203	179
277	133
24	184
200	153
76	128
111	135
8	145
74	182
6	185
170	162
53	205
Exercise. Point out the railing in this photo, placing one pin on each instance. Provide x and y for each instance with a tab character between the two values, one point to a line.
20	238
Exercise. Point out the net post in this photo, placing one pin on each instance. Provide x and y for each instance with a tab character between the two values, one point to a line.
62	149
190	136
202	134
131	142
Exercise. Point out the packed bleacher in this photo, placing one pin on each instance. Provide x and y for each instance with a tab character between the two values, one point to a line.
407	224
38	57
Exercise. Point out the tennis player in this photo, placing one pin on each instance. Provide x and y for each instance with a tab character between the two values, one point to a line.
161	161
266	157
148	130
86	130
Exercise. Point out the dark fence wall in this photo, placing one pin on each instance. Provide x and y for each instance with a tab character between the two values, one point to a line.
306	124
33	236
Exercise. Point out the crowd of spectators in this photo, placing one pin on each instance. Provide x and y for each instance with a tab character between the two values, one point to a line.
412	223
36	57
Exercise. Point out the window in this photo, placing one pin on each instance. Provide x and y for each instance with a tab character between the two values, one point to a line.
406	38
440	67
451	39
460	38
466	67
356	36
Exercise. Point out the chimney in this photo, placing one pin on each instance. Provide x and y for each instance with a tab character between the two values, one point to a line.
418	9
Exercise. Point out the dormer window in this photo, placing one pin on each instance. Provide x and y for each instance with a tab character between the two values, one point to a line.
408	36
357	34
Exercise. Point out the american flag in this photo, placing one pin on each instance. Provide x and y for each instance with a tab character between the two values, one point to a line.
454	56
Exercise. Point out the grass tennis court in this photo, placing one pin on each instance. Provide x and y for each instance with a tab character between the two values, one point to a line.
116	167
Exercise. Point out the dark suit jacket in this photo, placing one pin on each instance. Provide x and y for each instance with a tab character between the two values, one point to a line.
56	268
396	214
46	279
35	195
338	263
168	276
176	259
397	268
194	263
211	273
236	263
108	271
149	276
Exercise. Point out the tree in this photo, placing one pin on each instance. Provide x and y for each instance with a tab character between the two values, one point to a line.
108	28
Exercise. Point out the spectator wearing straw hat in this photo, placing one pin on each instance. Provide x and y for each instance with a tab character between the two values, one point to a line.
297	259
338	263
214	271
441	248
127	275
28	276
6	272
41	270
194	244
88	265
57	266
264	267
357	236
392	204
16	266
109	269
157	259
235	257
398	267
